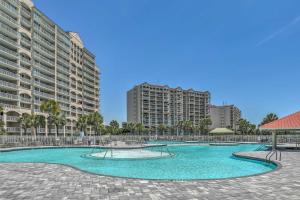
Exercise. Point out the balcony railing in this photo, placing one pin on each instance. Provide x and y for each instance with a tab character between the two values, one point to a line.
8	73
8	30
43	94
44	85
26	100
9	8
26	80
13	129
47	69
7	39
8	18
9	96
8	62
8	84
38	75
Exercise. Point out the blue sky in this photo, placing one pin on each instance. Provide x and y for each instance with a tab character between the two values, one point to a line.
245	52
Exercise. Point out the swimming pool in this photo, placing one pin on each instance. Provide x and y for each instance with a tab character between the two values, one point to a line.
188	162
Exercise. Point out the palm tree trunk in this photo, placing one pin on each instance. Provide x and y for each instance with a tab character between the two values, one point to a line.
56	134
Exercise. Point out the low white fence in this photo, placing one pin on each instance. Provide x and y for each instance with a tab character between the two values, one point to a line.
7	141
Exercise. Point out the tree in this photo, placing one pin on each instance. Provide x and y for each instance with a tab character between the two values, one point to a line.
59	120
2	131
96	121
140	128
51	108
114	127
269	118
131	127
204	124
25	122
36	121
161	128
179	127
187	126
245	127
81	123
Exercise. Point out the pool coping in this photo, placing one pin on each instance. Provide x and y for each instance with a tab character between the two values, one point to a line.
235	154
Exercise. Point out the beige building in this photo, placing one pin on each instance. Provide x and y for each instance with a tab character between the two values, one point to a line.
226	116
41	61
153	105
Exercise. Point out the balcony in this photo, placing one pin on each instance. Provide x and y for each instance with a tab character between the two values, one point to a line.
63	69
44	77
8	41
45	33
63	84
9	31
63	92
25	100
12	118
44	60
44	86
26	23
26	13
62	76
13	129
43	94
9	85
44	68
63	100
9	19
43	42
8	73
9	96
8	63
65	108
25	61
50	55
8	8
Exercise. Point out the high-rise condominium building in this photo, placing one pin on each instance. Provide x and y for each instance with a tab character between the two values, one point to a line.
226	116
41	61
153	105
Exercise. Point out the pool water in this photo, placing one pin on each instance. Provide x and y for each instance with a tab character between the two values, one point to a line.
189	162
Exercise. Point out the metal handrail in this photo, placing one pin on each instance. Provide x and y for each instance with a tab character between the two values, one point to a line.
272	153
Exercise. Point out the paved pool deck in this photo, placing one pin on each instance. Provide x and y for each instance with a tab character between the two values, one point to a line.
51	181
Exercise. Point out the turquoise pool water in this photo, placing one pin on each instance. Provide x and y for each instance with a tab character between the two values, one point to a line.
189	162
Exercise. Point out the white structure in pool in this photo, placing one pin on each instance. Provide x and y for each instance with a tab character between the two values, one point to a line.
129	154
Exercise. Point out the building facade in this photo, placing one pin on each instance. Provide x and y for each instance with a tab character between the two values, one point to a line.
41	61
226	116
153	105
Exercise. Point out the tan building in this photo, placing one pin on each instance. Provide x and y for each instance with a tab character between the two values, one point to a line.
153	105
226	116
40	61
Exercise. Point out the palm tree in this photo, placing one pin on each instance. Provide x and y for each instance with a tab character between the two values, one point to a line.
131	127
2	131
187	126
161	128
114	127
81	123
179	127
96	121
204	124
37	121
269	118
25	122
59	120
51	108
140	128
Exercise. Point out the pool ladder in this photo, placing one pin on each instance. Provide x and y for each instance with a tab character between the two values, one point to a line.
277	154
